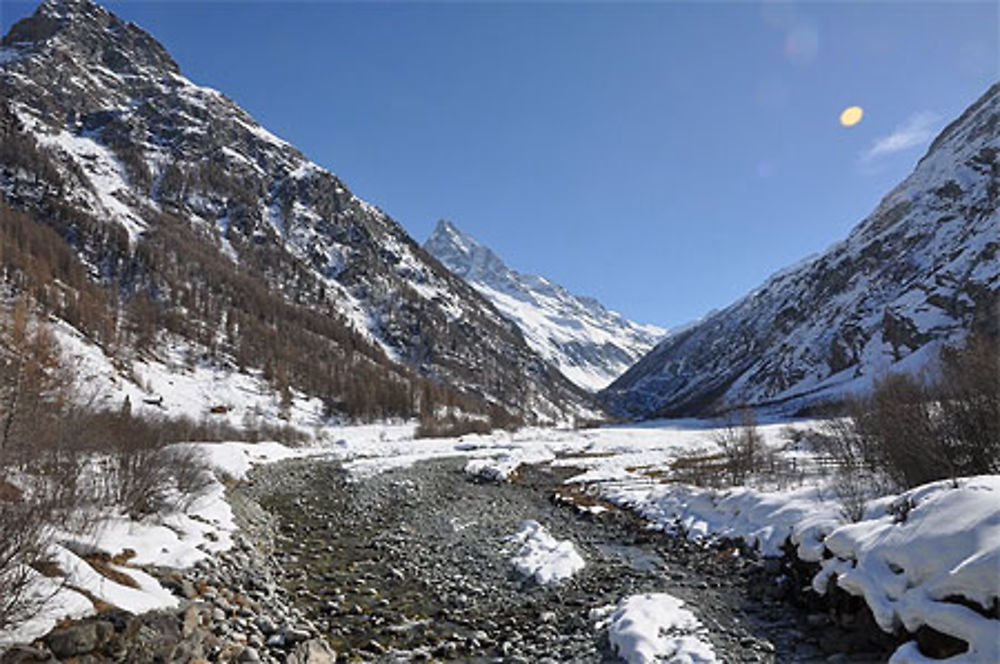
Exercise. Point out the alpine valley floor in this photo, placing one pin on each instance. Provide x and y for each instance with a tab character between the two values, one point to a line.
543	545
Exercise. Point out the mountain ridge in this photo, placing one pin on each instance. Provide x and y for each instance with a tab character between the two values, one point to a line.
590	344
117	147
919	271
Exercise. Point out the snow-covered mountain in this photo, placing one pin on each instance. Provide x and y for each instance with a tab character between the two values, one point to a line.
588	343
141	171
921	270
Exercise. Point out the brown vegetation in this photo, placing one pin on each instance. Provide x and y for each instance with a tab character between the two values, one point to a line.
57	459
450	427
742	446
911	431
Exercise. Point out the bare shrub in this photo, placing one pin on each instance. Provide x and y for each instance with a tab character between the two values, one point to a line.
898	419
584	423
742	446
191	474
34	386
143	481
855	486
138	481
58	459
857	460
968	394
38	473
140	472
33	506
24	537
700	469
909	432
281	433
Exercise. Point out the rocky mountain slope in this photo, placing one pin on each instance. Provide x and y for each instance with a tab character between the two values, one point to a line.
141	170
589	344
922	269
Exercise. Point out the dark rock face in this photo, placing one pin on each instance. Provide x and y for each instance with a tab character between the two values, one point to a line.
122	136
921	270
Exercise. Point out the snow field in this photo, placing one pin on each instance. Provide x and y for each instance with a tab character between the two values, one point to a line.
908	570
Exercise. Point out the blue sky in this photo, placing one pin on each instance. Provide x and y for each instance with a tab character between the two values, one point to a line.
663	157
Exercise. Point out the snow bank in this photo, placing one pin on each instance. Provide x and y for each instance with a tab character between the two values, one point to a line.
177	540
913	554
542	557
171	540
763	520
656	629
909	570
148	595
234	460
63	596
497	469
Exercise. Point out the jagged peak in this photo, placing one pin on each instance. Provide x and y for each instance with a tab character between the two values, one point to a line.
447	232
68	9
91	32
463	254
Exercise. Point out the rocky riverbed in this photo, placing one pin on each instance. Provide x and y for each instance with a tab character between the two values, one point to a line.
414	565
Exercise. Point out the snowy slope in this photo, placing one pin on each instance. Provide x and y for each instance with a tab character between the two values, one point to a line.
921	270
589	344
126	140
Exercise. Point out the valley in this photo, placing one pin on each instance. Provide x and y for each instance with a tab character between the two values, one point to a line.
245	417
387	548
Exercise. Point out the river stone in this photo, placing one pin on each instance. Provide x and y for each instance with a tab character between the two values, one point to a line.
79	639
27	655
313	651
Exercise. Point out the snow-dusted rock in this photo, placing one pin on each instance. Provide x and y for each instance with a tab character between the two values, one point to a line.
542	557
655	627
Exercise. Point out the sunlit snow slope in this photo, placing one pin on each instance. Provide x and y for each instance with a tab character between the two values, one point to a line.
589	344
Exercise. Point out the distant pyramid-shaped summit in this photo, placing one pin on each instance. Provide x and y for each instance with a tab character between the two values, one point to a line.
588	343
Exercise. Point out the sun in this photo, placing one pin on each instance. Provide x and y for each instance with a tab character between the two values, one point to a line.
851	116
